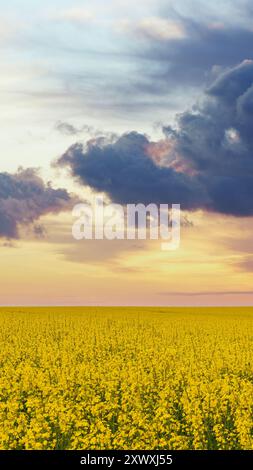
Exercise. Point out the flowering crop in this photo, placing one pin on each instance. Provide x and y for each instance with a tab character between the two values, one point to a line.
126	378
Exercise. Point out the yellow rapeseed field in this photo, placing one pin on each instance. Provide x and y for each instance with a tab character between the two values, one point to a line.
126	378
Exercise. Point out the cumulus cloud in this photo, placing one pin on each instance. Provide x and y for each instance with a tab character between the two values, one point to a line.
216	141
24	198
128	175
209	163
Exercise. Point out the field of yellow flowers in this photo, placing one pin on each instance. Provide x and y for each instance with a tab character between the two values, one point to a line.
126	378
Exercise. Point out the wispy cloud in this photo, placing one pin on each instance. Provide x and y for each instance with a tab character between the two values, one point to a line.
206	293
153	27
68	129
76	15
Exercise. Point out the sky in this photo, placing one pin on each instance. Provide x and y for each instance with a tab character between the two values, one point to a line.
141	102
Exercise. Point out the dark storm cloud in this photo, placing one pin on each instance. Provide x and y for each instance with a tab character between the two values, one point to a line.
125	172
216	141
189	60
24	198
209	160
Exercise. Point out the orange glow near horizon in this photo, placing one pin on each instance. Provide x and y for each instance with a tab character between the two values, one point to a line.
211	267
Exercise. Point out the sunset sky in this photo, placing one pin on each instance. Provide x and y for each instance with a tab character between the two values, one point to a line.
139	101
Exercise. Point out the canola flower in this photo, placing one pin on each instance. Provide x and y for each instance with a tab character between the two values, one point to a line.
126	378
